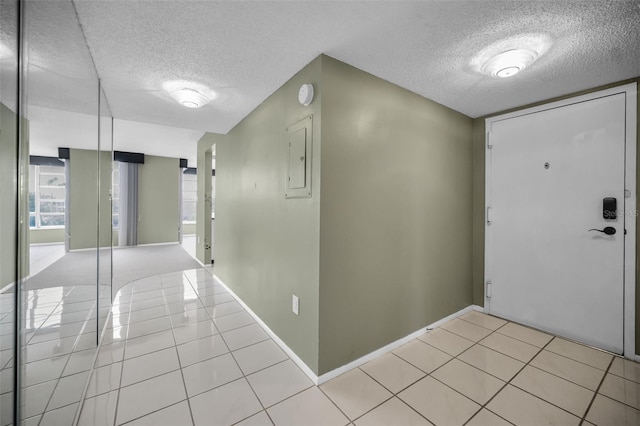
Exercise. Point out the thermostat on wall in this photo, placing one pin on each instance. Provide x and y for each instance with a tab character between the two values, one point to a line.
305	95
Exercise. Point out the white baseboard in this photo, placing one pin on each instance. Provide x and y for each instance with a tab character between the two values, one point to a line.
388	348
318	380
299	362
7	287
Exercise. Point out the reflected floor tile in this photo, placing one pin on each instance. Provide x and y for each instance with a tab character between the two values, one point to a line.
45	370
483	320
80	361
100	410
49	349
492	362
108	354
466	329
191	316
150	395
526	334
469	381
222	309
355	393
555	390
440	404
148	343
606	412
244	336
259	356
193	331
147	366
522	408
392	372
210	374
621	390
148	327
310	407
581	353
278	382
201	349
216	299
36	398
61	416
147	314
392	412
574	371
68	390
425	357
104	379
446	341
232	321
225	405
174	415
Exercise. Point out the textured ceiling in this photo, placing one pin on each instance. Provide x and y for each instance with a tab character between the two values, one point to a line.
245	50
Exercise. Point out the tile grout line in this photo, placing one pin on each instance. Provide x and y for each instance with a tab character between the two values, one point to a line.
73	349
124	355
506	382
244	376
595	394
175	348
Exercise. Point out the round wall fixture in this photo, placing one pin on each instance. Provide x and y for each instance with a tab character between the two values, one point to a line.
305	94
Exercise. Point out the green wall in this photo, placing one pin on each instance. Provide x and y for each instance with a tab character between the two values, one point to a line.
158	200
8	195
381	235
267	247
478	198
83	198
188	229
395	216
46	235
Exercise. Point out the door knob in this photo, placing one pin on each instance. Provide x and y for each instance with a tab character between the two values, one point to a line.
609	230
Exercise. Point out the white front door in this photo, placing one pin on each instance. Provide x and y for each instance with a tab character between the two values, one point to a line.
547	173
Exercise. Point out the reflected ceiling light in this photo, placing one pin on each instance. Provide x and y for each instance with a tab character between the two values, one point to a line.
507	57
189	94
5	51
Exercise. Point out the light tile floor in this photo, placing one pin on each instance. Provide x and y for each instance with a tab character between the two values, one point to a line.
180	350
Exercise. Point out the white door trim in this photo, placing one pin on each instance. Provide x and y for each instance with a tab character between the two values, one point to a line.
630	212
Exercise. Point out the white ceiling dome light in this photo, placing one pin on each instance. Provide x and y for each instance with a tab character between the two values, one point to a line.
507	57
509	63
189	94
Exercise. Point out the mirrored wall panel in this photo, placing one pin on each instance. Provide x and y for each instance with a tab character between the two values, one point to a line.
9	113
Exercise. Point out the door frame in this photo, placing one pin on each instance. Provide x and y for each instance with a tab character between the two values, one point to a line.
630	212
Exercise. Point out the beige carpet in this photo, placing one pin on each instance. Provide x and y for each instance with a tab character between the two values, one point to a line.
129	264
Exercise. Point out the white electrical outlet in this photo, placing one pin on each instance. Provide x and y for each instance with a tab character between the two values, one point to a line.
295	306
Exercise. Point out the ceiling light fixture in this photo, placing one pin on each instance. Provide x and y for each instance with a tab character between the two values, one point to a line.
507	57
509	63
189	94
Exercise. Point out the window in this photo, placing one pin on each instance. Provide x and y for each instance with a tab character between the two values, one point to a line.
115	195
47	191
189	197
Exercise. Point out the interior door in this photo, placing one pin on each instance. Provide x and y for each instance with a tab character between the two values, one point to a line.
547	263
